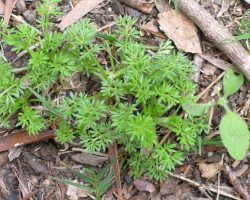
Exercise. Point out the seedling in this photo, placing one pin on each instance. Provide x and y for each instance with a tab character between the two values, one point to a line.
139	97
233	130
99	182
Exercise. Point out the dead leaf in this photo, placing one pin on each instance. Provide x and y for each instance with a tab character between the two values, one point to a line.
144	186
15	153
181	30
151	28
81	9
163	5
169	186
8	10
89	159
75	193
2	7
142	5
210	170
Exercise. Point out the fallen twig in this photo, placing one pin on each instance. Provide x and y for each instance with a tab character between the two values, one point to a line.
218	34
203	187
236	183
21	138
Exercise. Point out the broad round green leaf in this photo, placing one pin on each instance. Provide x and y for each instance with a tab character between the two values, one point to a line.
232	83
235	135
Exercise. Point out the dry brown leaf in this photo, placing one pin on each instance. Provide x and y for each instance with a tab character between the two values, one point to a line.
151	28
163	5
81	9
8	10
210	170
142	5
169	186
144	186
75	193
181	30
89	159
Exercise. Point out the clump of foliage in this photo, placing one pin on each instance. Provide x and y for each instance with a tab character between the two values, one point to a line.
243	32
140	97
233	129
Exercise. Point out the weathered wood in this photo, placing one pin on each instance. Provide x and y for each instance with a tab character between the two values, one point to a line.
218	34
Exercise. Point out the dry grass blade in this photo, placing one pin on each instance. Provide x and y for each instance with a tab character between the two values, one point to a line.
116	168
81	9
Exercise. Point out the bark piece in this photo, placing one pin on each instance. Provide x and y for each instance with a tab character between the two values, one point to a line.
21	138
36	164
218	34
181	30
198	63
142	5
15	153
3	158
81	9
88	159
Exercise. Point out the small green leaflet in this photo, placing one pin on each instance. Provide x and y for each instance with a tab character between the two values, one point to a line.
195	109
243	37
235	135
232	83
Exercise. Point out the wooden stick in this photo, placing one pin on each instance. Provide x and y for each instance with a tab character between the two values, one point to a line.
218	34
